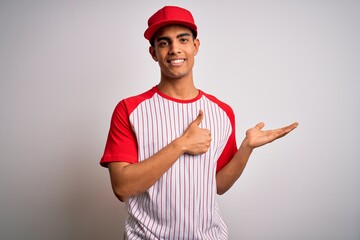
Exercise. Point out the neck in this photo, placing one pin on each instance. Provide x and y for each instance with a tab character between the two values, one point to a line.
183	90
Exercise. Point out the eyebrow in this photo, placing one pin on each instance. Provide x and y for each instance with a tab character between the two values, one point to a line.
178	36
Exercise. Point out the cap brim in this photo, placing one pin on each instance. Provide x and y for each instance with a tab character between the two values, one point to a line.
149	33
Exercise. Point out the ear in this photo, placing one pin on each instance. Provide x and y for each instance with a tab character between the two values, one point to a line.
196	46
152	52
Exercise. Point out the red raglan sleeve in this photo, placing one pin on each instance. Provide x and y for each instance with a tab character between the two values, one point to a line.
121	145
231	146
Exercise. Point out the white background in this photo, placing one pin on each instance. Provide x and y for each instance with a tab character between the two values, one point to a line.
64	65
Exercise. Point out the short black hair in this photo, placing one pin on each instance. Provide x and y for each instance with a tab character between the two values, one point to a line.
152	40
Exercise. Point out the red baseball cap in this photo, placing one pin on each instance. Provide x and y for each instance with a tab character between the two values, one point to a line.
169	15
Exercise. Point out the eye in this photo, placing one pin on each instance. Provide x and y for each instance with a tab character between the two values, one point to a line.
184	40
163	43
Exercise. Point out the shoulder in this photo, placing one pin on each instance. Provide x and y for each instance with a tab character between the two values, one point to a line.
130	103
224	106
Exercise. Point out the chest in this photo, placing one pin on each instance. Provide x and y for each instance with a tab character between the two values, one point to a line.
157	121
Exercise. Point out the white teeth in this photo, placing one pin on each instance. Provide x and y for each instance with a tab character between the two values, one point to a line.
177	61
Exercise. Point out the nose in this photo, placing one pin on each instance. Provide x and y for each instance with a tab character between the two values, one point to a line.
174	48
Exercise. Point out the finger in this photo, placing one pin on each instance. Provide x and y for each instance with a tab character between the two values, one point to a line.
199	118
290	127
281	132
260	126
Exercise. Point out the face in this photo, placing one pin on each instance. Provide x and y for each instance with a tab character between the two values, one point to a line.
175	49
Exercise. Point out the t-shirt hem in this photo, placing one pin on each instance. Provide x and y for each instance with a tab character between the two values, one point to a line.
104	162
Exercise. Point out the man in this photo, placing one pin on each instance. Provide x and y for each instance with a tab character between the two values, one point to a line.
171	149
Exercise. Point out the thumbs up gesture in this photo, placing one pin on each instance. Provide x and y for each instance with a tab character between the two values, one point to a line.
196	140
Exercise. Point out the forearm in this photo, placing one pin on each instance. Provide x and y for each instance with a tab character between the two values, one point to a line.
255	137
228	175
133	179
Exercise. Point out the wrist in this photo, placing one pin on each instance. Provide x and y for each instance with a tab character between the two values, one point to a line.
245	145
178	145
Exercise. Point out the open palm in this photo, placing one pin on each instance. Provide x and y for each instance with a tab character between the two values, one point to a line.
257	137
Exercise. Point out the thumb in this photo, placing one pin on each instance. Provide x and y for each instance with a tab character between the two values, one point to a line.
260	126
199	118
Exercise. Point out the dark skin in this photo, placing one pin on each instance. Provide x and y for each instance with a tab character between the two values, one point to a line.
175	49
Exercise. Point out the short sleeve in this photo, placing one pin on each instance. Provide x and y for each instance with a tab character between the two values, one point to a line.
121	143
231	146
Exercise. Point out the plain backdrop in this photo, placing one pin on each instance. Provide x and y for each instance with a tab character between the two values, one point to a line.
64	65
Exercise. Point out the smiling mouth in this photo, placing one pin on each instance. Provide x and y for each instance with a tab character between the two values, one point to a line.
176	61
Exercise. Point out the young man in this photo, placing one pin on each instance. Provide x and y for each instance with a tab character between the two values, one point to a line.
171	149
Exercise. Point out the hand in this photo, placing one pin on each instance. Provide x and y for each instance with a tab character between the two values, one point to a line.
196	140
256	137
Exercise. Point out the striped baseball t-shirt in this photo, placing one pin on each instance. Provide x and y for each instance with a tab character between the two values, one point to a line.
182	203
